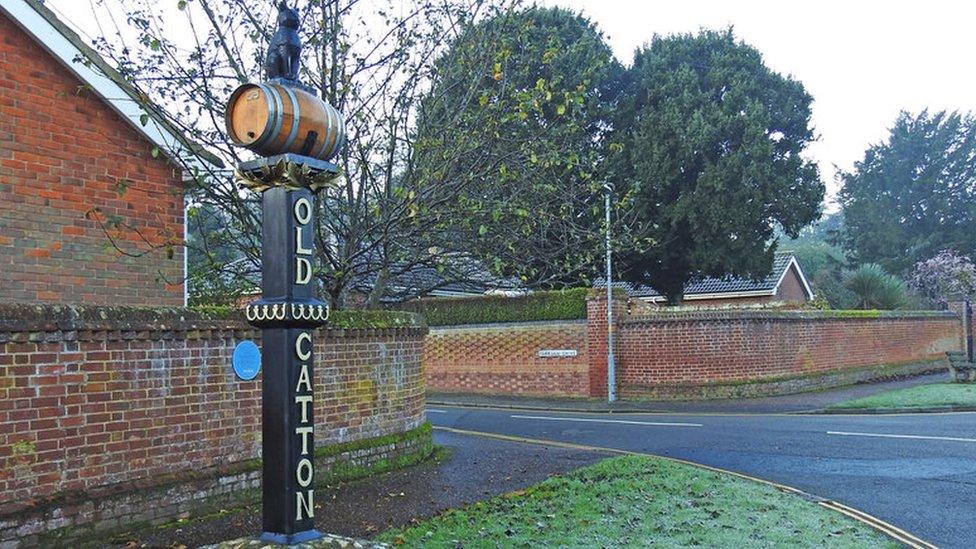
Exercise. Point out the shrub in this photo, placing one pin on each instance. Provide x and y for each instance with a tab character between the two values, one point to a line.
945	276
829	285
876	289
373	319
548	305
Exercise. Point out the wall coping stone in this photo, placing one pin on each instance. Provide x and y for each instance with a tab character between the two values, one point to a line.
502	325
83	322
790	316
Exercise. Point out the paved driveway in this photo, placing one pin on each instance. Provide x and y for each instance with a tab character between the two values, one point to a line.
915	471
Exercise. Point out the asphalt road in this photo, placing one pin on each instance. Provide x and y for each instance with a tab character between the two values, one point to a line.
916	471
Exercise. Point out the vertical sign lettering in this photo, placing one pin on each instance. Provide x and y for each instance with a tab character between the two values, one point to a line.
305	430
304	396
303	255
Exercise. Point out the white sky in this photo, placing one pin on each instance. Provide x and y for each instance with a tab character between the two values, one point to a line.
862	60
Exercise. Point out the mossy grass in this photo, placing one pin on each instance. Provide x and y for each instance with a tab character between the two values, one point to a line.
638	501
937	395
422	432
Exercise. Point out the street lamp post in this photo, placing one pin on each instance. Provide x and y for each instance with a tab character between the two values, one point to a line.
611	365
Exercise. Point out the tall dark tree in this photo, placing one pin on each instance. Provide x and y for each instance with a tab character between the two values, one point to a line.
914	194
711	161
530	94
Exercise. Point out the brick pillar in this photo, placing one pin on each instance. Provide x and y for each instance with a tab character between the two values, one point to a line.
959	307
596	337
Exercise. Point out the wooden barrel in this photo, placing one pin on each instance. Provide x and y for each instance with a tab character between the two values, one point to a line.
272	119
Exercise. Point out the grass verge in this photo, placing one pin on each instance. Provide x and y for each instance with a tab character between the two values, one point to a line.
923	396
641	501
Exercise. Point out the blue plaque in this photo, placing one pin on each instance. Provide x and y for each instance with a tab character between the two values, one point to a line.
247	360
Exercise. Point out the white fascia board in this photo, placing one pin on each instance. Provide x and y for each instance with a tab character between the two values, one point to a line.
51	39
452	293
725	295
803	279
186	251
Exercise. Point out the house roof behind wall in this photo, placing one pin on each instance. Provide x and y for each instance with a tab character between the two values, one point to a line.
727	287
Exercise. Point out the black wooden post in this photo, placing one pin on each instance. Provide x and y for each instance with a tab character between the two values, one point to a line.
287	313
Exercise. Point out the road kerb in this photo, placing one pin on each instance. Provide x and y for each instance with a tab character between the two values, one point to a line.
789	413
894	411
885	528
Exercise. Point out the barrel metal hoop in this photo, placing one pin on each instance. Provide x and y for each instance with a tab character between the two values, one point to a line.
341	142
274	121
297	115
328	137
271	99
339	137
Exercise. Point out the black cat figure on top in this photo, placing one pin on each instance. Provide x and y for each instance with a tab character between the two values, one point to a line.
285	48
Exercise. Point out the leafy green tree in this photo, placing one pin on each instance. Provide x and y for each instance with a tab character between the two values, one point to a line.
528	94
914	194
875	288
823	261
711	161
218	273
823	264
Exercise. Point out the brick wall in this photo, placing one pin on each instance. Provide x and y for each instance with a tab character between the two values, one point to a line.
598	337
112	397
63	152
680	355
725	347
504	359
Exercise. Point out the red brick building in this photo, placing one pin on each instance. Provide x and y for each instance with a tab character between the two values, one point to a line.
84	173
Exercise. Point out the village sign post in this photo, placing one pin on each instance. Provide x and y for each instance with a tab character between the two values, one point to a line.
296	133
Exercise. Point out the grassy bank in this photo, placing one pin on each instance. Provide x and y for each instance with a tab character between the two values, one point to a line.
640	501
923	396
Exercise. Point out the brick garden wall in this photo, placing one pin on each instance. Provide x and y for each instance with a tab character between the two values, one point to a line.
658	352
692	354
96	402
504	359
64	151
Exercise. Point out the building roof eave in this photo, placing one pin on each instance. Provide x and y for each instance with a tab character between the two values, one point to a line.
799	272
66	46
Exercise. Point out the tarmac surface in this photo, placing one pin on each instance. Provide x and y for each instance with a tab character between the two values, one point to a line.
916	471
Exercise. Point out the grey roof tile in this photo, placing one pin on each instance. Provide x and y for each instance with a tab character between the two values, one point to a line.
728	285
